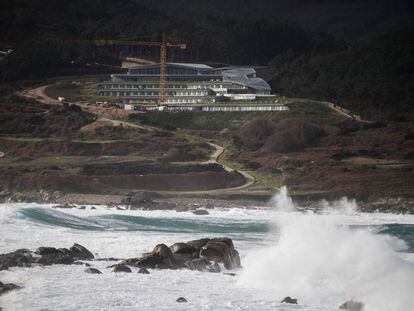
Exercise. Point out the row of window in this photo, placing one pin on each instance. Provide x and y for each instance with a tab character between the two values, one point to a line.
126	93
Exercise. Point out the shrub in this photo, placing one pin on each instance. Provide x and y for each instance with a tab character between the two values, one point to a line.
285	136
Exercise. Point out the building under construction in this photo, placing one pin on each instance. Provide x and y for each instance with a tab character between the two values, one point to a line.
184	83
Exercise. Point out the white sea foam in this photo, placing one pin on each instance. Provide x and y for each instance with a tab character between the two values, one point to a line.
321	261
305	267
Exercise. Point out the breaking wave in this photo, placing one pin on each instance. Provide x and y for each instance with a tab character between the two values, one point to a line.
321	261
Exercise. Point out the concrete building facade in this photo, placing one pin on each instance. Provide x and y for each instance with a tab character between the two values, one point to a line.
185	83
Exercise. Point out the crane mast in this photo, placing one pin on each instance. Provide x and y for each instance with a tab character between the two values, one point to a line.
163	45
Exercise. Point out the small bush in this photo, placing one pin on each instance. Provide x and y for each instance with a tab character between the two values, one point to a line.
284	136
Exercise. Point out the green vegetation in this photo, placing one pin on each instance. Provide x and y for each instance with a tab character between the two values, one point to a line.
374	80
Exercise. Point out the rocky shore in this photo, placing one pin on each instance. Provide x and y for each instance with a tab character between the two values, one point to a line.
205	255
181	203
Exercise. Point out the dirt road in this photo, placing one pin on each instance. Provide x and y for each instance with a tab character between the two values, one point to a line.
250	180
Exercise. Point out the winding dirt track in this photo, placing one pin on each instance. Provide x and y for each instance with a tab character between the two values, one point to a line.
40	95
250	180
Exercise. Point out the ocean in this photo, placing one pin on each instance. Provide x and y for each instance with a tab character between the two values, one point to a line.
322	257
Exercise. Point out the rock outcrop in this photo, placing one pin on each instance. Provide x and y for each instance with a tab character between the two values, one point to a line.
289	300
352	305
181	299
4	288
93	271
45	256
221	250
121	268
202	255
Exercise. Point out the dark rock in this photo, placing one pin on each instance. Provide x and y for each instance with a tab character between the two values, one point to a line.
143	271
66	205
201	212
93	207
148	261
203	265
221	250
209	206
181	299
45	256
18	258
4	288
162	251
47	251
202	255
61	257
121	268
81	252
198	244
352	306
93	271
231	274
182	248
82	207
290	300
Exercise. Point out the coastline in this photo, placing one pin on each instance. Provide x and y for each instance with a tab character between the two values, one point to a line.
155	201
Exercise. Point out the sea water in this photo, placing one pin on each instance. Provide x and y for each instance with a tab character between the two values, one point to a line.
322	257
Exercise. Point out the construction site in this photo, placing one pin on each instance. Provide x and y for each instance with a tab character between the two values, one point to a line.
150	85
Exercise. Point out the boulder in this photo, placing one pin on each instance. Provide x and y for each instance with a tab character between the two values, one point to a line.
203	265
81	252
201	212
47	251
201	255
121	268
44	256
143	271
93	271
290	300
60	257
351	305
181	299
221	250
18	258
182	248
198	244
4	288
162	251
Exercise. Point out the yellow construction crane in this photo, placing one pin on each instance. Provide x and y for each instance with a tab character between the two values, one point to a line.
163	45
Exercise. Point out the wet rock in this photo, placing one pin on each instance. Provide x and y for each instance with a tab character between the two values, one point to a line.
93	271
352	306
82	207
143	271
44	256
201	255
18	258
4	288
203	265
121	268
81	252
231	274
47	251
66	205
181	299
201	212
289	300
93	207
198	244
162	251
182	248
221	250
62	256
